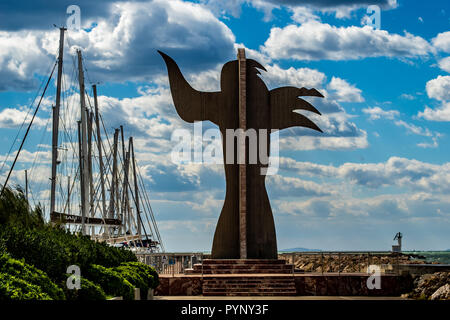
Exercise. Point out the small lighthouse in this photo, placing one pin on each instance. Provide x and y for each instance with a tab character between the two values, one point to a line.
398	246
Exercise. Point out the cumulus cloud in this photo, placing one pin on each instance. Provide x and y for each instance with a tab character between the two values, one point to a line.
22	55
280	187
345	92
376	113
38	14
303	10
13	118
444	64
357	140
441	113
122	43
401	207
439	89
320	41
442	41
298	77
413	174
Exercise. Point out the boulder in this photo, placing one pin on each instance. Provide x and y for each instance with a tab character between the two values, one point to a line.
443	293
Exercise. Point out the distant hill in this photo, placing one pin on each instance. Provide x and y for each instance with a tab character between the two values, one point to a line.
298	250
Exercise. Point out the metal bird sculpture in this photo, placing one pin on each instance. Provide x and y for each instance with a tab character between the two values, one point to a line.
265	109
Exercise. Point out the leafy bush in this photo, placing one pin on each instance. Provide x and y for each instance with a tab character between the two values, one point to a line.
148	273
136	279
30	274
53	250
15	210
111	281
13	288
139	275
88	291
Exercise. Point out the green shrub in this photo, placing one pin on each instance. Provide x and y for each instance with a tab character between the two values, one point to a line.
111	281
15	210
52	250
30	274
136	279
88	291
13	288
148	273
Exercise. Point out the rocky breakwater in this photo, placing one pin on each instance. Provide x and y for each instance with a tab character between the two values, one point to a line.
434	286
330	262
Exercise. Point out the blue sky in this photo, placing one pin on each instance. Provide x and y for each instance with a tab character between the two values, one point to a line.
381	165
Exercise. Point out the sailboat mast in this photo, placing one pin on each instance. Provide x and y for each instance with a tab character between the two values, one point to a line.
136	189
56	121
99	146
84	159
112	198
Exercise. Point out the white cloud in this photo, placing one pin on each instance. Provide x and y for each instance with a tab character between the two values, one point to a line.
304	14
281	186
433	144
439	88
300	77
13	118
444	64
319	41
441	113
122	44
401	207
396	171
413	128
22	56
442	41
302	143
376	113
345	92
407	96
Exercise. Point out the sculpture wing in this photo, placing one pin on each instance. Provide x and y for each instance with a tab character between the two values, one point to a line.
284	100
191	105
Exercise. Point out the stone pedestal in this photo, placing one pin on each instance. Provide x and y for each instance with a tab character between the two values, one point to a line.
246	277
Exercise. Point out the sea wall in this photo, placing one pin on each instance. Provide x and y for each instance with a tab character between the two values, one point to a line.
306	285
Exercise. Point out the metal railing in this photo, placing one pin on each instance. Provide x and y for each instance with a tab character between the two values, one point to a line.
172	263
342	261
305	262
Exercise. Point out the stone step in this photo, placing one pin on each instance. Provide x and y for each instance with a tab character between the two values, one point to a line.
242	271
250	293
252	277
238	282
240	268
237	287
272	290
248	285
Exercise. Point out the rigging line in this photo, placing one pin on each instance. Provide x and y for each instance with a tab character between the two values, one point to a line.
153	220
145	210
128	186
28	130
23	122
36	156
147	202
